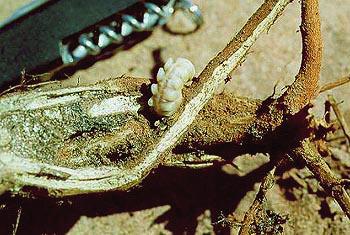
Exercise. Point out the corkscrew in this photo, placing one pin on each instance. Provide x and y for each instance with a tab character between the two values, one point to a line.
49	34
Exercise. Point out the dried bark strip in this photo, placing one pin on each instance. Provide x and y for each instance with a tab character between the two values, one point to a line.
48	126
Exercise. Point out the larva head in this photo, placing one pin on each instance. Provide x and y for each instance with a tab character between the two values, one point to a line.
187	66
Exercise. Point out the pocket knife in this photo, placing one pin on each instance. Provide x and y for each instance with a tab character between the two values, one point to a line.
49	34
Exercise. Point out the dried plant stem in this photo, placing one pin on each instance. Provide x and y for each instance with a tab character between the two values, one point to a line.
340	117
297	96
266	184
332	85
15	227
309	156
305	86
301	92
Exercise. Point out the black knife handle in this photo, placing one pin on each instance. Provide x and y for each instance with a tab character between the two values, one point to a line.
32	40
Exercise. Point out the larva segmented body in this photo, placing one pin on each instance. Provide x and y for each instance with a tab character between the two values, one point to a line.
167	93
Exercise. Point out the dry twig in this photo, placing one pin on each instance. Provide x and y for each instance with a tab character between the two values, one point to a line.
332	85
340	117
309	156
15	226
266	184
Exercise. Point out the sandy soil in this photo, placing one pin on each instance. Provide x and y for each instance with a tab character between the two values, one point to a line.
174	201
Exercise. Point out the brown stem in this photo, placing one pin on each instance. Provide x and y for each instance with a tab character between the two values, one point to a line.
249	216
340	117
335	84
309	156
304	88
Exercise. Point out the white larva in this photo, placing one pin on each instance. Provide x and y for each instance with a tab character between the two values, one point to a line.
167	93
